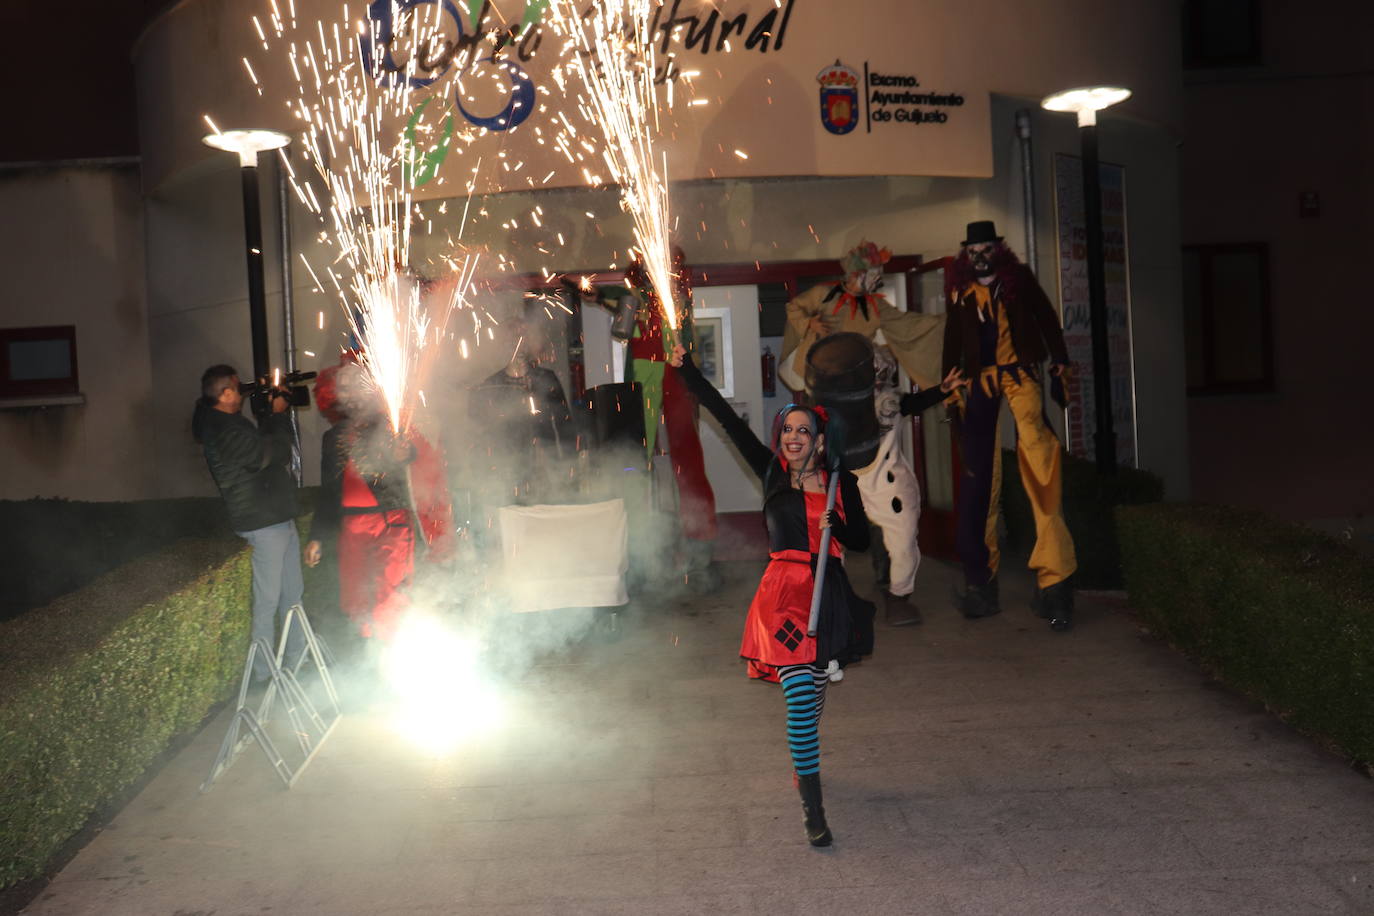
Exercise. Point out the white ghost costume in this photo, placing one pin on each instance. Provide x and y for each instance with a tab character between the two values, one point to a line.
890	491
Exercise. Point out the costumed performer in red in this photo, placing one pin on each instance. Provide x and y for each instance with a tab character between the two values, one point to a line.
381	497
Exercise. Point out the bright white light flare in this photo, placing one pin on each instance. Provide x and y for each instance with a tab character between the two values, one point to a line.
1086	102
246	142
441	698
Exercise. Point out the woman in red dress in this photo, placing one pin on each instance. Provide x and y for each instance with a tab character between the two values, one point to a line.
775	644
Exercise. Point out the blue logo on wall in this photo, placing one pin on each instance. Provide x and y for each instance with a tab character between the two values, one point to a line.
382	31
839	98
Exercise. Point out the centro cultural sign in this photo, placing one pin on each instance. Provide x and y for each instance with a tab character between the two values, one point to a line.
761	88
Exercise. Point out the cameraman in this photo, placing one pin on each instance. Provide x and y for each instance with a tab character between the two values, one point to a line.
250	465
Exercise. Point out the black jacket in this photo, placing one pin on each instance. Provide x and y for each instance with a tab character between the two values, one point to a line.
504	402
250	465
1034	325
384	476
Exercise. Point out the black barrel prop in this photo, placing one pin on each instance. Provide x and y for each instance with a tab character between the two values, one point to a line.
839	377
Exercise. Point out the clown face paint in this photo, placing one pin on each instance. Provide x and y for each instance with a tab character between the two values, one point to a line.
863	282
980	257
797	442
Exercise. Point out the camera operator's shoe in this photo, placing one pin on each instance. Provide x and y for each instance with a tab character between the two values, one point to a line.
979	601
1055	604
899	610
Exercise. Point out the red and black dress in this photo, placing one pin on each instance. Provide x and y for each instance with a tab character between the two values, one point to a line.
775	630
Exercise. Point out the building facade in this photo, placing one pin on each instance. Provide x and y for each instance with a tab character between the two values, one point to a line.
788	161
1276	200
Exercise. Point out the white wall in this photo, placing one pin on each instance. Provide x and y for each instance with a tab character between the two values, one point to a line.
735	486
71	252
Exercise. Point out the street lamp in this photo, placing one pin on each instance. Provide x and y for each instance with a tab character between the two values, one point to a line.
1086	103
248	143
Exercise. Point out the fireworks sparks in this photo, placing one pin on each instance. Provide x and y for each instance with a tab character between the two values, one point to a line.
372	129
611	55
371	142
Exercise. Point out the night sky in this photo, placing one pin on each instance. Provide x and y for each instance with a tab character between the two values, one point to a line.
69	79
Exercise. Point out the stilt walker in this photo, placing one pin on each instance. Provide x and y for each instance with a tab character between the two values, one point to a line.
1001	330
891	494
665	395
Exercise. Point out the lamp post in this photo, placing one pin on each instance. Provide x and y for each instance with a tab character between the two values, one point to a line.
1086	103
247	143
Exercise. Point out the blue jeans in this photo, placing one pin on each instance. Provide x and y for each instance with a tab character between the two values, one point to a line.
277	587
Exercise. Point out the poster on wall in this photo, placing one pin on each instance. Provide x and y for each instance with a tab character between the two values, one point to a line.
1073	298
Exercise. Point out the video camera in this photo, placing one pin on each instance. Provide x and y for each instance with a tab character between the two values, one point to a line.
261	392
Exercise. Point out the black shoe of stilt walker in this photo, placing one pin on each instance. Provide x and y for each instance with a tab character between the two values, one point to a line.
817	831
1056	606
978	601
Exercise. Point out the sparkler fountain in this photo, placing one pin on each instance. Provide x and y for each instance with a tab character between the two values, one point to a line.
370	140
369	145
610	54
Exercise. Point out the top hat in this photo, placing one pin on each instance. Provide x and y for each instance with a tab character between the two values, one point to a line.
981	231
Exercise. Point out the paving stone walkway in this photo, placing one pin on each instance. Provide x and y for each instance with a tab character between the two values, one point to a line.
969	768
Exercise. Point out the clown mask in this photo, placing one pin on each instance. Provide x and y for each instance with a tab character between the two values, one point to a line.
863	282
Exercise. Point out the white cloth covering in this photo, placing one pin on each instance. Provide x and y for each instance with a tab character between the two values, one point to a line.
565	555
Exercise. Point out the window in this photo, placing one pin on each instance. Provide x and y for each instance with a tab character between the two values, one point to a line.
1226	313
1221	33
38	361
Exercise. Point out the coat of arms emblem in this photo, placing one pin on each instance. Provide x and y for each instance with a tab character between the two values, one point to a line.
839	98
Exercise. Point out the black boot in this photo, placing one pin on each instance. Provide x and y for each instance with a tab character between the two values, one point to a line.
1056	606
980	600
817	833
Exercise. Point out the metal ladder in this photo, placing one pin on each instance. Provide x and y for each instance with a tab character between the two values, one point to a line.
310	727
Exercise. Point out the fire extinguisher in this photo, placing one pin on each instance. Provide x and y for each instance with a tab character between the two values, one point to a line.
770	373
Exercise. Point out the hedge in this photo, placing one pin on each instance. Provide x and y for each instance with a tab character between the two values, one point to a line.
49	547
54	546
98	683
1089	501
1282	613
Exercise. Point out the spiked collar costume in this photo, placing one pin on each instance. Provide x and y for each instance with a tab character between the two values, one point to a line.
1034	325
858	303
863	277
